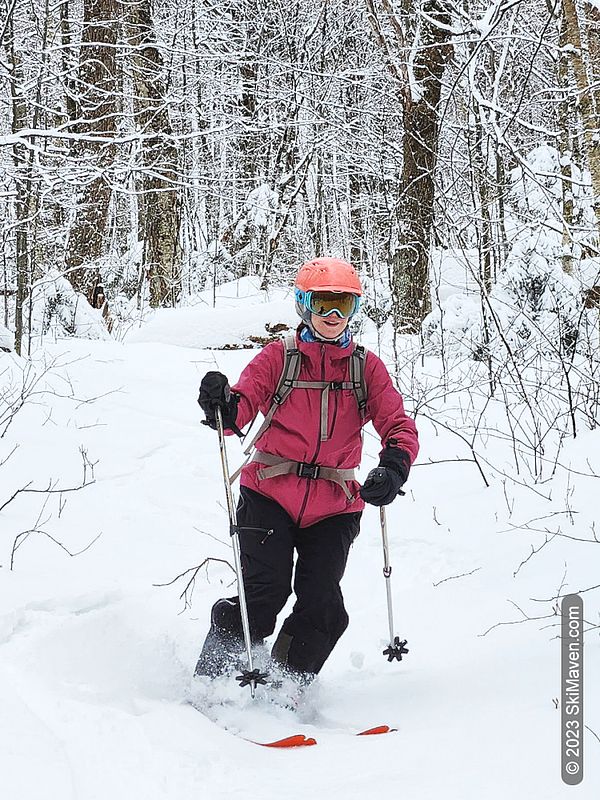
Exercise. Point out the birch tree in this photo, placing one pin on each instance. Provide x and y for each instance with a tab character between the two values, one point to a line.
582	34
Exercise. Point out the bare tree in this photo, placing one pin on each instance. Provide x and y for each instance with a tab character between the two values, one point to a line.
416	55
93	144
581	34
159	200
21	159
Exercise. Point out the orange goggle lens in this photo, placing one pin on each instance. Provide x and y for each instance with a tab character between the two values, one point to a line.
325	303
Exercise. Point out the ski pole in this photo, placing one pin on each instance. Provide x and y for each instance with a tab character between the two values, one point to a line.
249	677
396	648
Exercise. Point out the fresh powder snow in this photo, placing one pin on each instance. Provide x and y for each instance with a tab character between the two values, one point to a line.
97	649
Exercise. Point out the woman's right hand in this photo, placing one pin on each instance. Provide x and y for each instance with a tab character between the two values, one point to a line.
216	393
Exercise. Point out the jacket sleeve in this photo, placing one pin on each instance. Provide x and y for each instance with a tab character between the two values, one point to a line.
257	383
385	408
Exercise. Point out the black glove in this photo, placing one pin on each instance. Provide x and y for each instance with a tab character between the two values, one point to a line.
215	393
383	483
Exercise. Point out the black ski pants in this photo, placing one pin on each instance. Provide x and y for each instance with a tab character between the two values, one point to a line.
318	618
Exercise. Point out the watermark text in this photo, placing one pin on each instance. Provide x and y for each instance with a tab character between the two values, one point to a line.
572	689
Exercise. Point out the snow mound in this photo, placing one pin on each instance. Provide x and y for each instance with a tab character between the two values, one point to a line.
56	308
239	314
7	339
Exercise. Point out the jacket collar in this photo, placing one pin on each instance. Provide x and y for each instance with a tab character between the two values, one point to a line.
313	350
308	334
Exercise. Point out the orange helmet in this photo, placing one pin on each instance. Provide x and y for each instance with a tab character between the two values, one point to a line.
328	275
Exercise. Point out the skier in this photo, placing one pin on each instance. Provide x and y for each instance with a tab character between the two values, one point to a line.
298	492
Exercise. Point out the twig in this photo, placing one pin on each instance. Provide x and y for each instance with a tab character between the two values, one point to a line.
12	452
49	490
189	587
533	552
557	597
587	727
454	577
212	536
465	440
22	537
526	618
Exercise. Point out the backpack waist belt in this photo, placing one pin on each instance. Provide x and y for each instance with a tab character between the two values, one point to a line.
278	465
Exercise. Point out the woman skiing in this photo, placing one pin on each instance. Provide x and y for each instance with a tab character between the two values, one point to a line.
298	492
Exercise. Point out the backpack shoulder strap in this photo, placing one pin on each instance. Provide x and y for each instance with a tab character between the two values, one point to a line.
357	377
289	374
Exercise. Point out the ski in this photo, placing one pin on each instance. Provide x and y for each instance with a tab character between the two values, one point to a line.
377	730
299	740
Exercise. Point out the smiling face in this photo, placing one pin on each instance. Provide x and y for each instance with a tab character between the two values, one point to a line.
330	327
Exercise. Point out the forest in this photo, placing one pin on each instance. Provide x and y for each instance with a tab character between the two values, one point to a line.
149	151
165	169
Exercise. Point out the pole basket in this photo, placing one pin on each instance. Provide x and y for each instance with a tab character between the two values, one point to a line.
395	651
251	678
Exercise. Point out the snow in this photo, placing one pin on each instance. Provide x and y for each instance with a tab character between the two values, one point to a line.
452	273
56	308
215	321
96	658
533	305
260	206
7	339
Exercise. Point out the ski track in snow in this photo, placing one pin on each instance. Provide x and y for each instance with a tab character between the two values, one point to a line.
96	661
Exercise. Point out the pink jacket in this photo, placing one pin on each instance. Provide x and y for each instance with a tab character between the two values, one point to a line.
294	432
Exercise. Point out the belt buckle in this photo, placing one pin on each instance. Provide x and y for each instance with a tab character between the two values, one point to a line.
310	471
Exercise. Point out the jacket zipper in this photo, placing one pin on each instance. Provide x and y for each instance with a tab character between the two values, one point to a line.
316	453
335	410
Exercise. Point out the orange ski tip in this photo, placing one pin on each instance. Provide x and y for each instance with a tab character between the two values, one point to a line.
298	740
378	729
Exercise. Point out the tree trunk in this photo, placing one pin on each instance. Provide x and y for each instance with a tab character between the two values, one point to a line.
420	97
566	117
66	60
160	203
95	117
414	212
411	292
20	158
481	185
584	79
592	15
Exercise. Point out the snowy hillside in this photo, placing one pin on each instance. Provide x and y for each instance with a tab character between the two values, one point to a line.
96	653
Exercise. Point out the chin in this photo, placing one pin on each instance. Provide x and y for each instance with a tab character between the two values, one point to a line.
332	333
327	332
334	337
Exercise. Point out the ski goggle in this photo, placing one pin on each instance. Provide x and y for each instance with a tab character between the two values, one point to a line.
345	304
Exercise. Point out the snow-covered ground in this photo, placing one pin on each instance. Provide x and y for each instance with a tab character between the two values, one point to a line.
96	658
